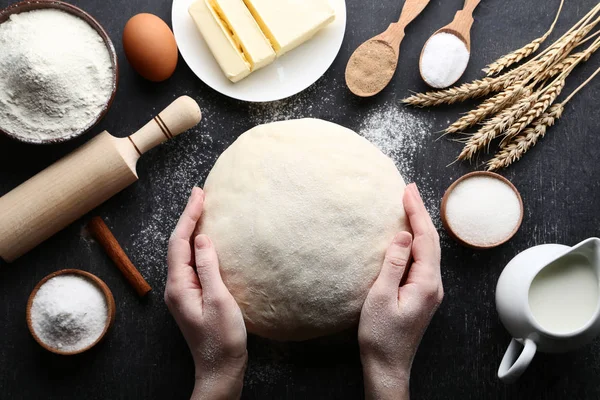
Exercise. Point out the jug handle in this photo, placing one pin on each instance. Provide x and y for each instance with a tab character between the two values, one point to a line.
513	365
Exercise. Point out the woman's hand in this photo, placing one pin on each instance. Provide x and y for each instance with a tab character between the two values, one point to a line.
396	313
205	311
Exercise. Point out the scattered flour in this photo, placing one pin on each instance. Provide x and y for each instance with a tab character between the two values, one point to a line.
310	103
174	170
402	136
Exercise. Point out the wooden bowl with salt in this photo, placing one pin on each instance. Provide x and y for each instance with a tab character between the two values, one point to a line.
31	5
99	283
515	225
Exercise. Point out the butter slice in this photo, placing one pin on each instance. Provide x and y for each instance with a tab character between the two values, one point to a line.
289	23
245	31
228	54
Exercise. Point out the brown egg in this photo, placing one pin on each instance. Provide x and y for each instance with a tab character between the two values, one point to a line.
150	47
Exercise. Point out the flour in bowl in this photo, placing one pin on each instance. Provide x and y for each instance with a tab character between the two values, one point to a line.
56	75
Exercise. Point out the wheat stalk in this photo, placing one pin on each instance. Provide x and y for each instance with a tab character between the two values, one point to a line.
516	117
563	64
496	125
568	61
487	85
549	94
477	88
518	146
482	87
524	52
489	107
546	98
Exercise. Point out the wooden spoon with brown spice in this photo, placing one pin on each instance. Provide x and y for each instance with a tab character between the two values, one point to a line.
372	65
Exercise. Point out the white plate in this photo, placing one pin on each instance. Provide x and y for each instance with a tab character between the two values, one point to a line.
288	75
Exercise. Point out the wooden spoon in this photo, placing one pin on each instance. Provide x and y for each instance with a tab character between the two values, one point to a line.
372	65
459	27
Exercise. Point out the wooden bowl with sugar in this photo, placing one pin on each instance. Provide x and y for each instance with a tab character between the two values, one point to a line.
99	283
462	240
31	5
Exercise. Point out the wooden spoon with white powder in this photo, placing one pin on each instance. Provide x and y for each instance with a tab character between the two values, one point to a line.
372	65
446	53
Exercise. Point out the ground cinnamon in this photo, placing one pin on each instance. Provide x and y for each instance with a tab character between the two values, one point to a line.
371	67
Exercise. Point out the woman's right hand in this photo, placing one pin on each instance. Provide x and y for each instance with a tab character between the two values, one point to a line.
394	317
205	311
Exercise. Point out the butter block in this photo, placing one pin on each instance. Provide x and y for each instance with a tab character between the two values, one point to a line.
245	31
289	23
227	52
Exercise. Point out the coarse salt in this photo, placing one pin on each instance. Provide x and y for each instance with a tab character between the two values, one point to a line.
483	211
69	313
445	58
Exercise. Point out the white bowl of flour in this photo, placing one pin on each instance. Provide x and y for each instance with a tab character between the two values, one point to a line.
58	72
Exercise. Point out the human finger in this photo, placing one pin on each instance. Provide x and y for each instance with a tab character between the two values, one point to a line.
180	251
418	217
207	267
426	247
394	264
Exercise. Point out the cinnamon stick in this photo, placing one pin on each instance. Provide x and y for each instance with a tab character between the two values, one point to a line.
107	240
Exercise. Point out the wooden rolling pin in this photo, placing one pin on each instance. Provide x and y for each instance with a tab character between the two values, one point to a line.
82	180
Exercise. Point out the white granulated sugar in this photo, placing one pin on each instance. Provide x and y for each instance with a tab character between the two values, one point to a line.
483	211
69	313
55	74
445	58
402	136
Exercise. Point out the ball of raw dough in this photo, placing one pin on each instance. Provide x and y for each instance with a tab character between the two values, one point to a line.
301	213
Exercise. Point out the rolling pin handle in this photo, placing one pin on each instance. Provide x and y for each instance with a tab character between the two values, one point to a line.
181	115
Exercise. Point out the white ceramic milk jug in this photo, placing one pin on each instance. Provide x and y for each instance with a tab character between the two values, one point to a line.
548	298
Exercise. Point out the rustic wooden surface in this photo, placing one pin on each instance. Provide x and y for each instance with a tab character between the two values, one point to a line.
145	357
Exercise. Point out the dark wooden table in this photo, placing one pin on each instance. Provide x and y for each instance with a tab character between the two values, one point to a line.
145	356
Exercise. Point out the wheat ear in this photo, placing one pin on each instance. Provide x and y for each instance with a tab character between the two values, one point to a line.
489	107
496	125
518	146
515	118
482	87
547	97
524	52
515	149
471	90
568	61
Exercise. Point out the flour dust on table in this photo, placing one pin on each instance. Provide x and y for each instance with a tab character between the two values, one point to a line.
310	103
402	136
182	164
172	181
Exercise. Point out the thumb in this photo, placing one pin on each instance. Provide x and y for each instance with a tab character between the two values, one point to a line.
394	264
207	265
